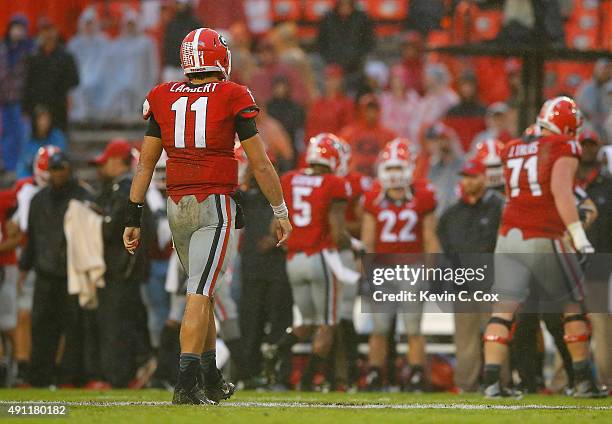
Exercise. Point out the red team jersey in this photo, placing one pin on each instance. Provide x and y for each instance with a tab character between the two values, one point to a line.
399	225
198	127
530	205
309	198
8	202
357	185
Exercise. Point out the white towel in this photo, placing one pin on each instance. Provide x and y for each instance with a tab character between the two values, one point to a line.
85	248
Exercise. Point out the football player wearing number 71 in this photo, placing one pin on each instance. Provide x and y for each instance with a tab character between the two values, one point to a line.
195	122
539	175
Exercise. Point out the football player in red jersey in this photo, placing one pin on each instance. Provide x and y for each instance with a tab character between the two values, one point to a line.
317	203
399	218
195	123
539	175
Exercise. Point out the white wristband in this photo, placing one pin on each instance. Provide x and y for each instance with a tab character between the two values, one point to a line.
280	211
578	235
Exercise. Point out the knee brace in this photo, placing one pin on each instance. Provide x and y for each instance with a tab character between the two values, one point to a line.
577	338
496	338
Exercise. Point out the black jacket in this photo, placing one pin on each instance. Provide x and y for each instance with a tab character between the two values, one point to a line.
346	41
600	232
120	265
255	264
181	25
45	250
465	228
48	79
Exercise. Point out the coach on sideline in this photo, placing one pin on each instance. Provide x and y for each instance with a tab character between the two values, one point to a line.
121	314
54	311
470	226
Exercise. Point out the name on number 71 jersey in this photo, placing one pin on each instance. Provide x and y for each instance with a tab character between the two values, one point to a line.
309	199
198	127
528	165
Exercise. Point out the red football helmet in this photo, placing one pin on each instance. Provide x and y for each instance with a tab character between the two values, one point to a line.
560	115
41	164
489	153
324	149
396	164
205	50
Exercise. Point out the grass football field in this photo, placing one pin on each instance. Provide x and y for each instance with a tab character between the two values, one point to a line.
153	406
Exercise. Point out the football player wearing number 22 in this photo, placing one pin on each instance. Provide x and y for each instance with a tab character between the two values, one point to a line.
195	122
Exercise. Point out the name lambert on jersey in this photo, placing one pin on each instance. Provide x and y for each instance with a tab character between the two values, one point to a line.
181	87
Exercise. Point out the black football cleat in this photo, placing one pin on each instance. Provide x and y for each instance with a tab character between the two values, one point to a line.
219	391
195	396
588	389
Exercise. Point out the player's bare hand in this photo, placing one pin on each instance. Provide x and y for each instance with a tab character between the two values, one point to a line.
283	230
131	239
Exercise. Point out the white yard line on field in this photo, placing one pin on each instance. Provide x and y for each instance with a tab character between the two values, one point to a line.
286	404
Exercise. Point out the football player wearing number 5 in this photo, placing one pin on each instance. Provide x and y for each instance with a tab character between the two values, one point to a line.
539	177
195	122
317	202
399	218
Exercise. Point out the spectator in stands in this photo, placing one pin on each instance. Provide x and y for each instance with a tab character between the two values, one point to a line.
243	61
183	22
289	113
337	105
593	178
42	133
292	54
132	70
276	138
438	99
470	226
55	313
269	68
442	146
346	36
374	80
592	97
398	103
366	135
14	50
411	49
497	125
121	314
467	117
90	49
50	73
425	16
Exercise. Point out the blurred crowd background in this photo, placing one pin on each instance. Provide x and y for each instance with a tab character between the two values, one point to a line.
74	74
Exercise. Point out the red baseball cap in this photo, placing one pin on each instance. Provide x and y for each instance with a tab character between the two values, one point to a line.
117	148
473	167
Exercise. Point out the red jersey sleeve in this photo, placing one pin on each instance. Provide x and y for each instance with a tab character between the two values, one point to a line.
337	188
242	102
425	192
564	146
149	103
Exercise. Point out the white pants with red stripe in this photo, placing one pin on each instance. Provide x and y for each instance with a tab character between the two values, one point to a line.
316	292
203	235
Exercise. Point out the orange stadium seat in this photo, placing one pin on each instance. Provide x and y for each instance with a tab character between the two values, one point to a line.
62	13
582	28
565	77
472	24
606	25
388	14
286	10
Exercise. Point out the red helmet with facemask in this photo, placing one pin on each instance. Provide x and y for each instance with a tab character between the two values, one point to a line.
205	50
